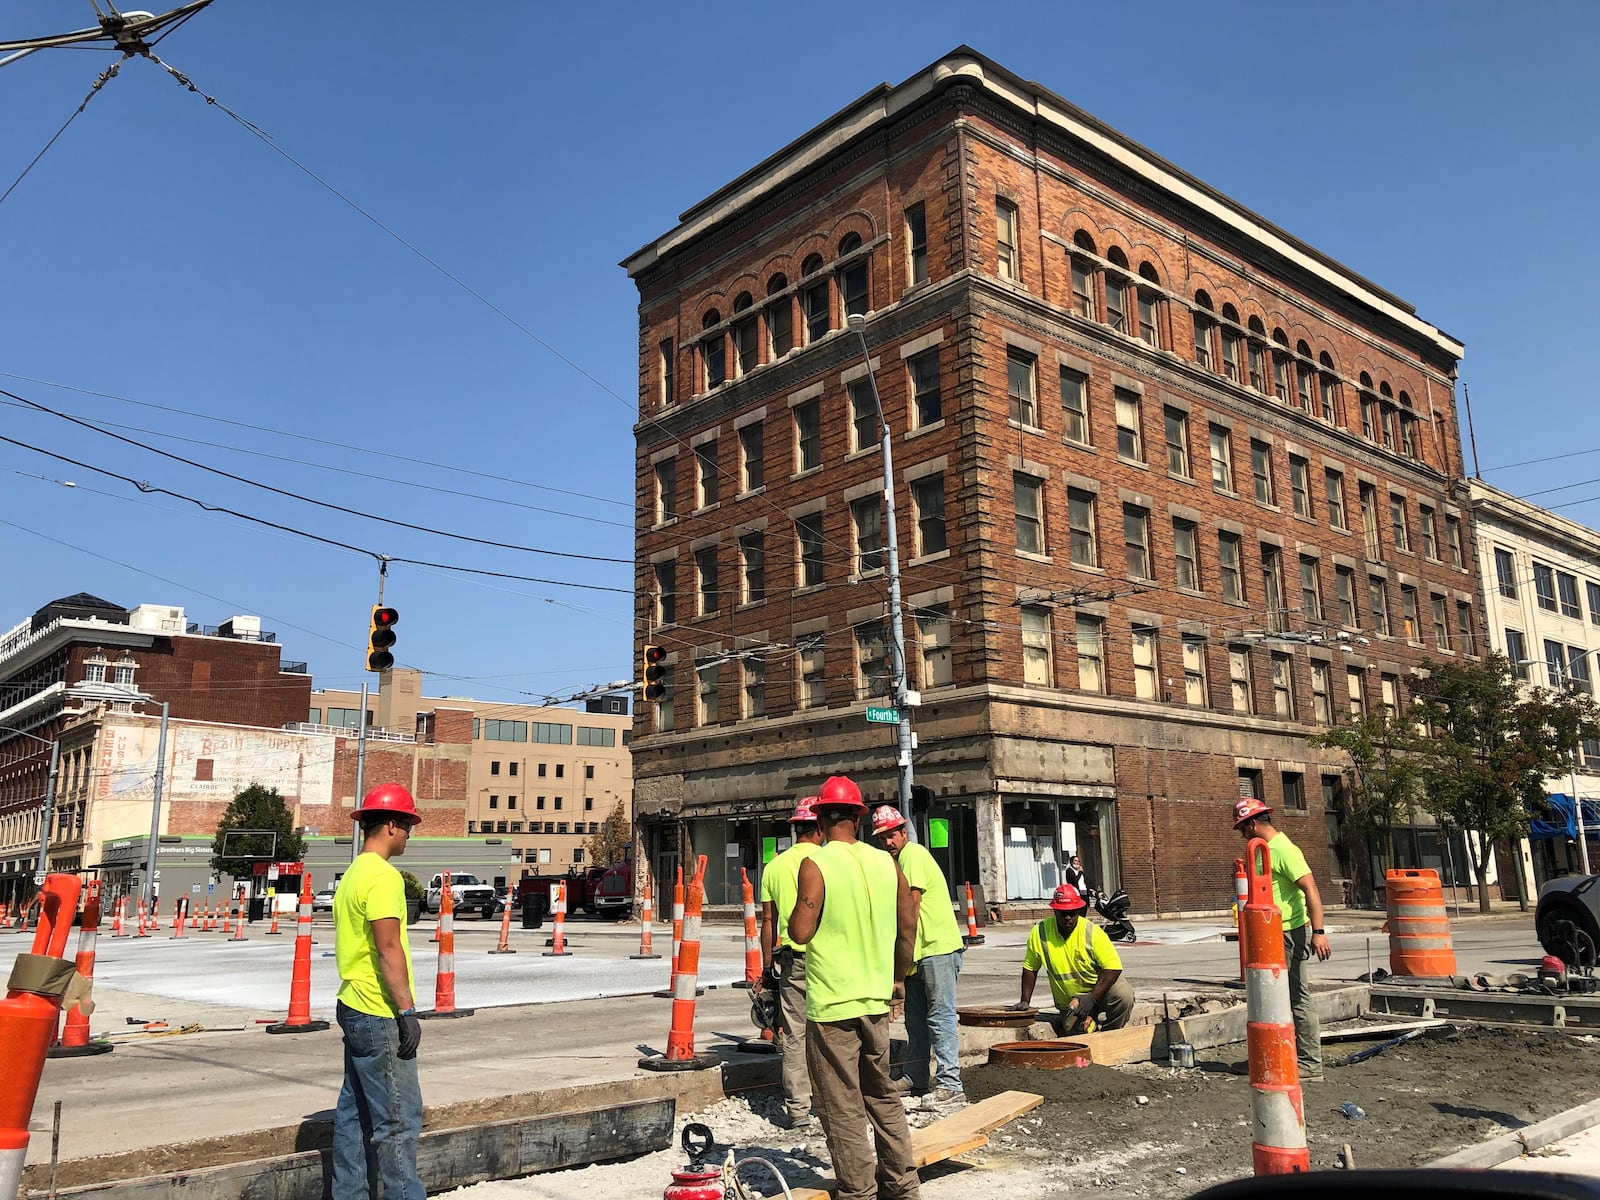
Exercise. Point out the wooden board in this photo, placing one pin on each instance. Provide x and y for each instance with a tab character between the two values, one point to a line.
1364	1033
1136	1043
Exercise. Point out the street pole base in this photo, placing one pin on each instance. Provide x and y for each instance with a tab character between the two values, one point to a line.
454	1012
507	950
972	939
79	1051
639	956
308	1027
660	1062
558	954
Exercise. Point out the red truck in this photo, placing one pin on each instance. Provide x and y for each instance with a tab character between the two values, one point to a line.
603	891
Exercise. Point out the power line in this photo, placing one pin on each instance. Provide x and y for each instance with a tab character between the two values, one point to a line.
106	77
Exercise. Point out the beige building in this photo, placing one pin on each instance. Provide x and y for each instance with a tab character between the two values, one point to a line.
544	778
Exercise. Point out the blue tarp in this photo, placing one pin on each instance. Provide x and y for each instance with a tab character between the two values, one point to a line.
1562	823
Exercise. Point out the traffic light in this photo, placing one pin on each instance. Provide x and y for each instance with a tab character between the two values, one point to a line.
380	638
655	672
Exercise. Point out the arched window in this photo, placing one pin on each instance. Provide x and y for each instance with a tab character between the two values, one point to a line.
1257	351
1408	428
814	301
853	278
1150	306
1330	390
1281	383
1370	420
1117	258
1231	366
1305	375
1119	293
123	671
746	335
780	318
713	350
1202	331
94	668
1083	278
849	243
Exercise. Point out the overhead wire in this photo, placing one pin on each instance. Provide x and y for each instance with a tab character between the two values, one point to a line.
106	77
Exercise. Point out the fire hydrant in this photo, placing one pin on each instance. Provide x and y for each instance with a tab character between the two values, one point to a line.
697	1179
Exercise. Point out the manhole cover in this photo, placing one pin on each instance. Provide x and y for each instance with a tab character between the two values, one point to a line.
1043	1056
996	1017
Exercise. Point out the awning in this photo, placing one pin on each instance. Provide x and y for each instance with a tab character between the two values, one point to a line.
1561	822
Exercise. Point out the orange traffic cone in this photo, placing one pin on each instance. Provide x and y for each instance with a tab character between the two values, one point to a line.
752	937
677	937
444	986
646	943
973	938
117	929
75	1037
272	907
299	1019
505	928
179	912
558	940
1279	1143
238	929
1241	893
680	1055
144	928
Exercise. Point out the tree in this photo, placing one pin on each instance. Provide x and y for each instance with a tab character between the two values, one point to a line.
256	807
1385	774
1491	744
613	841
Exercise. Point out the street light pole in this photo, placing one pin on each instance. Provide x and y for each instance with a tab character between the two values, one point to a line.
155	810
49	814
858	323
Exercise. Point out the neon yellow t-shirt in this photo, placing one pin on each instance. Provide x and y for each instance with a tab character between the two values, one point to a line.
780	885
937	931
1288	865
1073	962
370	890
850	959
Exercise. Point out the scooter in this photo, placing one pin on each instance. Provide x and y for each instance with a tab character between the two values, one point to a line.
1113	911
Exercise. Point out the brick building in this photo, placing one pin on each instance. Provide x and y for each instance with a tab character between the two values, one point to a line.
1172	491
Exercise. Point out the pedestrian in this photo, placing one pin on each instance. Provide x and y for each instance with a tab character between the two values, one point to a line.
378	1119
1294	890
936	964
1085	970
784	962
853	915
1074	874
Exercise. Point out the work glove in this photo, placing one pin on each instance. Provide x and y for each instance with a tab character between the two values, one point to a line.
410	1034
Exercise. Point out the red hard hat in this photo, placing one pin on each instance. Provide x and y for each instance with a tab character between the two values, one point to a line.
840	791
1068	899
389	798
885	818
803	812
1248	809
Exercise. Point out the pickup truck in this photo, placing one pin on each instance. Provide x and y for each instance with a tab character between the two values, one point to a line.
466	892
613	899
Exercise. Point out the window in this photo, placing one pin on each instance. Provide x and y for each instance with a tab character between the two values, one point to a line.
1378	604
1345	580
746	341
1075	405
1567	588
123	673
665	368
753	556
590	735
927	497
1369	521
1272	587
1330	399
1091	654
666	593
494	768
807	435
1300	485
1130	444
814	303
1036	665
1230	354
1117	303
1593	590
1304	376
1555	663
1469	643
1333	488
1149	322
541	774
1408	434
754	691
666	491
1136	541
813	678
1006	262
1294	790
1256	354
713	351
1310	591
872	660
780	318
1280	377
505	731
705	565
494	801
1321	703
664	709
1389	692
1194	671
1505	572
917	244
752	446
933	637
1430	532
1019	387
1578	670
1202	340
705	459
1517	652
511	801
1177	427
706	692
1221	458
1544	586
853	278
924	371
1080	521
513	766
1397	522
1409	627
1083	288
1239	678
1144	663
1186	554
1027	493
552	734
808	536
1228	568
1452	533
1261	470
1356	690
1283	686
863	416
866	516
1369	416
1441	622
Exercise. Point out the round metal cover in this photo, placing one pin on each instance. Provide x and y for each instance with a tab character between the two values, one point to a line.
1043	1056
996	1016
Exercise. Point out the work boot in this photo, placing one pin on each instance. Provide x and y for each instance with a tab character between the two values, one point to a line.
944	1098
787	1120
905	1087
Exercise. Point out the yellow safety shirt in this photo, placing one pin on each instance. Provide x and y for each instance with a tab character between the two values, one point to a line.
780	885
370	890
1074	962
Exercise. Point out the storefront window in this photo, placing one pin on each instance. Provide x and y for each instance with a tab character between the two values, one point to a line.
1040	836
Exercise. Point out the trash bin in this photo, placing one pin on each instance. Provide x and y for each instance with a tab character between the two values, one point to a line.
258	907
535	907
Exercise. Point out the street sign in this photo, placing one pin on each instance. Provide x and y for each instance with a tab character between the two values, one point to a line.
194	887
883	716
38	879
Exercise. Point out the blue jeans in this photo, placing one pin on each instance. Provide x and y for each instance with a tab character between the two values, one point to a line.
931	1022
379	1116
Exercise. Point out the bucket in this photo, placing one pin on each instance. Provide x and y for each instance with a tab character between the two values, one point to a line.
1180	1054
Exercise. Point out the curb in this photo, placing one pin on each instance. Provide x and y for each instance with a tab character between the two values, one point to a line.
1535	1137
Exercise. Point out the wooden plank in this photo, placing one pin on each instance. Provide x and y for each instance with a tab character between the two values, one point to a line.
1136	1043
1365	1032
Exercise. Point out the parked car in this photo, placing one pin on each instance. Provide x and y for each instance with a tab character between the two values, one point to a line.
322	901
467	892
500	901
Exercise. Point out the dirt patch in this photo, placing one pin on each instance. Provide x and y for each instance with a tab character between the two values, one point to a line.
1422	1101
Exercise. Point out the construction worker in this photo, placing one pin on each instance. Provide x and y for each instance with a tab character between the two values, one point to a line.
853	915
784	962
936	964
1085	970
378	1119
1294	890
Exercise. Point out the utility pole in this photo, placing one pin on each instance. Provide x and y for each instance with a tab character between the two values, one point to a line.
155	809
361	771
43	868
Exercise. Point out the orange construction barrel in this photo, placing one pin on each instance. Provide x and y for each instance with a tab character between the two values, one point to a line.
1419	931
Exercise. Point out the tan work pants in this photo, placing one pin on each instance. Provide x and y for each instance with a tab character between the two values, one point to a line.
792	1039
860	1110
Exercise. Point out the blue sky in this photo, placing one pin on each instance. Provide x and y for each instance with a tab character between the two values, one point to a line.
161	253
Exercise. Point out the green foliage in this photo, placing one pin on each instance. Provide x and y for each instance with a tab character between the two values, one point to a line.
613	841
1385	774
413	885
256	807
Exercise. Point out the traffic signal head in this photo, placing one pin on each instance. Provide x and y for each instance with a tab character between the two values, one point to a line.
380	638
655	672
